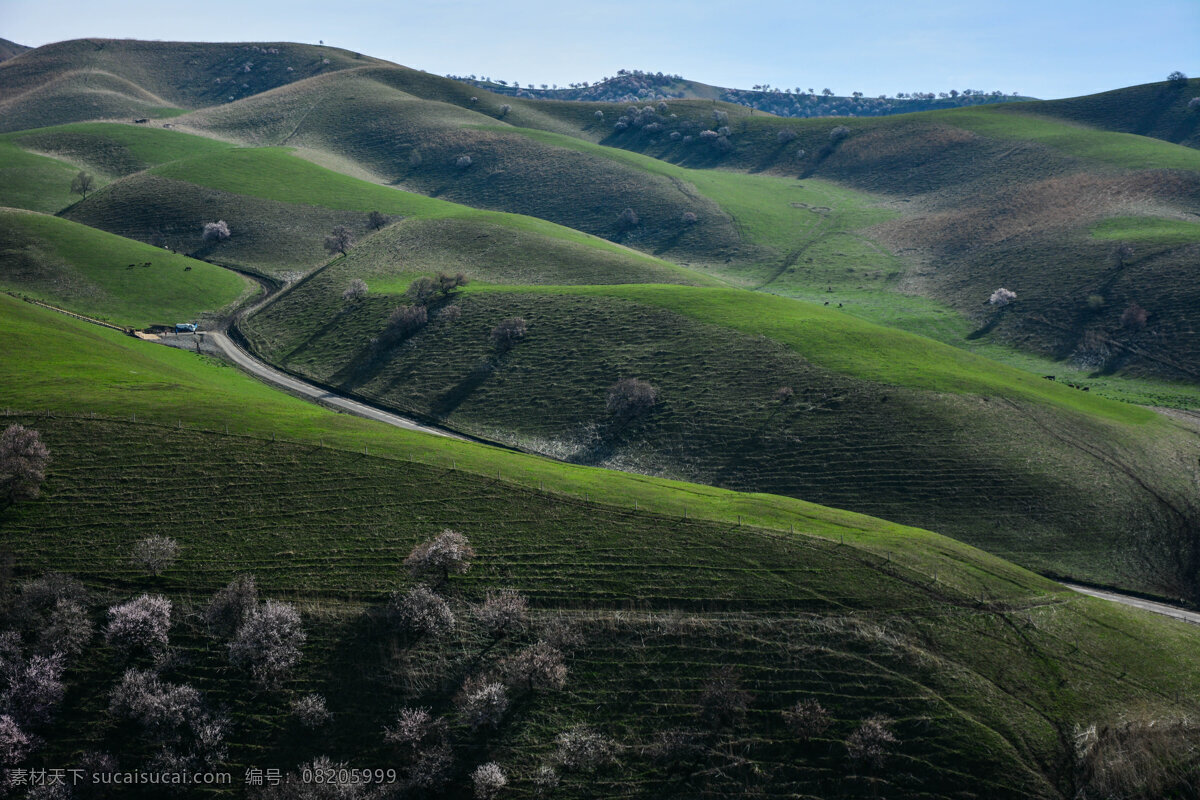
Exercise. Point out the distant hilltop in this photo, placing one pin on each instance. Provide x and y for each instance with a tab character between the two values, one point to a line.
631	86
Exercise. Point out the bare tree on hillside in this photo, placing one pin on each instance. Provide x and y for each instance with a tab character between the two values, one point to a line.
155	553
82	183
423	290
870	744
630	397
405	321
503	612
376	220
448	552
448	283
340	240
228	608
510	331
420	612
806	719
268	642
1122	254
355	291
23	462
723	701
140	624
628	219
1134	317
488	779
215	231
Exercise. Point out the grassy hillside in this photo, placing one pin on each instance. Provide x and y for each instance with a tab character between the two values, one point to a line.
106	276
964	178
985	668
1152	109
893	425
280	207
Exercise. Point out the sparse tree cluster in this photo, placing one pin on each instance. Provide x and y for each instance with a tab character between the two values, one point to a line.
23	462
215	232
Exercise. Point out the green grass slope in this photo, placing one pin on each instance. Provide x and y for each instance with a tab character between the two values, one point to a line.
892	425
108	277
1153	109
280	207
412	129
986	668
969	177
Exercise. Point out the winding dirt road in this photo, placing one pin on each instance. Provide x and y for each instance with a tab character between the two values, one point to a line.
1137	602
295	386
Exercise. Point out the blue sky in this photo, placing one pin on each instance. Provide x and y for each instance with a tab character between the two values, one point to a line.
1046	48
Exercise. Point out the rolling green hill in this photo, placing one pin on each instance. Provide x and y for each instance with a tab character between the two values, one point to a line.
1026	180
106	276
900	434
789	560
986	668
1152	109
892	425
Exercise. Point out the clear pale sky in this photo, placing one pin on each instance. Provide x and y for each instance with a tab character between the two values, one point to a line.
1041	48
